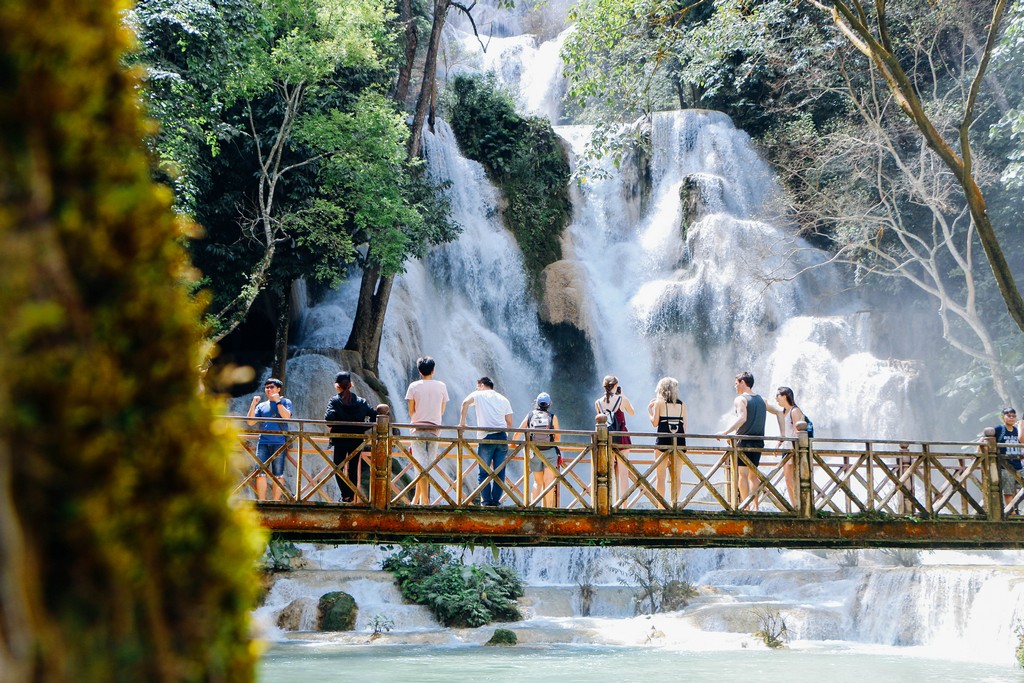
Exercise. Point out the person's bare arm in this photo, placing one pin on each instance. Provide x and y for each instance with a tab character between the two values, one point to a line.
627	406
465	410
655	413
252	410
740	407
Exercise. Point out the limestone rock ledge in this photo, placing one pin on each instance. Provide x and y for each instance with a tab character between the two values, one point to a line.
564	296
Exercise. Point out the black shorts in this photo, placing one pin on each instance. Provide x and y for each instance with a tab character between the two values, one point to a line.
753	456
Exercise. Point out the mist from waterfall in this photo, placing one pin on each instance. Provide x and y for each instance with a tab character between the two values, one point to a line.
698	290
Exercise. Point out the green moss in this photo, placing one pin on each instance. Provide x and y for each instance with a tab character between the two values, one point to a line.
338	611
524	157
503	636
140	567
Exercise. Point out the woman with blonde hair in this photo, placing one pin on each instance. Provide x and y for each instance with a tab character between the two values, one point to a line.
668	416
614	404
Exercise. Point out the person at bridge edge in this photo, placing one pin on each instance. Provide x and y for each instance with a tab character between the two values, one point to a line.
271	446
750	412
545	457
788	413
668	415
427	399
1008	438
493	419
614	405
347	407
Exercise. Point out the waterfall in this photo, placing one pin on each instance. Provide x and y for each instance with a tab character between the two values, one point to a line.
682	262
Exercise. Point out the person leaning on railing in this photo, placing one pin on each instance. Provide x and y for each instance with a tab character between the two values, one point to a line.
276	406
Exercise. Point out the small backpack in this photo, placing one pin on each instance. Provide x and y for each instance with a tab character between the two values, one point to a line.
810	426
613	416
542	419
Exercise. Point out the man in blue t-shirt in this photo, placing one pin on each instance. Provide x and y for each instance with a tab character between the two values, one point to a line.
271	446
1008	439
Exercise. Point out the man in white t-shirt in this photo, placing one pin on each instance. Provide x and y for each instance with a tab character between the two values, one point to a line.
427	399
493	417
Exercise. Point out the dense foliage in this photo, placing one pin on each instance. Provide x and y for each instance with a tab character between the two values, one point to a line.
525	159
280	137
457	595
121	555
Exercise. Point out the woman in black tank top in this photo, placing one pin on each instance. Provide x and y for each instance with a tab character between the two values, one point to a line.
668	416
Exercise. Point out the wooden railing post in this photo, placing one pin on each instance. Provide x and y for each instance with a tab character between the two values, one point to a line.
602	459
903	463
804	471
989	454
380	468
732	470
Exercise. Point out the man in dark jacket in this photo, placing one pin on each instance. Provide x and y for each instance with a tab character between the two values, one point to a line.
347	407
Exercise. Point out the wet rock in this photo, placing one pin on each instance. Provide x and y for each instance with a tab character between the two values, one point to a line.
337	612
503	636
294	617
565	296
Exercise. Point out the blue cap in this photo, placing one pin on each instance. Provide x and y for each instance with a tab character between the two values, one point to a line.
543	399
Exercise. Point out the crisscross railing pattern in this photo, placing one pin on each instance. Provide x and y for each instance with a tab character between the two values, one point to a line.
706	474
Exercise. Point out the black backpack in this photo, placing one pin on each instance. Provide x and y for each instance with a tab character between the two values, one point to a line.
612	413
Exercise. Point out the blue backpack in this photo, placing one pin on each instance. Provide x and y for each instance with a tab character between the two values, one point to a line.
810	426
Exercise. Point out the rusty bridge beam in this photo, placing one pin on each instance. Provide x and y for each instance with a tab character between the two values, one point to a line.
663	529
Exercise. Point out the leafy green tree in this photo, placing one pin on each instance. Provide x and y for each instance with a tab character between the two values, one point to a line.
1008	70
121	556
870	29
300	160
308	42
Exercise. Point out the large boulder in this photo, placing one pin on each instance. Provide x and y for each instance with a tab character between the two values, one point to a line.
564	299
297	615
337	612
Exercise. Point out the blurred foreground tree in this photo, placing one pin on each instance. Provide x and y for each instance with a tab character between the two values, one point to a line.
121	556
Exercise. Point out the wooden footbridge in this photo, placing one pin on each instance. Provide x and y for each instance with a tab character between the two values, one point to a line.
839	493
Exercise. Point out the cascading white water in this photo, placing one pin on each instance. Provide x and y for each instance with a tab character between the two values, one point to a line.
699	304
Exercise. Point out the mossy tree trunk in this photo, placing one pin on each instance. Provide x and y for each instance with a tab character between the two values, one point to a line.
121	557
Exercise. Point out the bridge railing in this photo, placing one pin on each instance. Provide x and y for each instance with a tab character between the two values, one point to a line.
590	472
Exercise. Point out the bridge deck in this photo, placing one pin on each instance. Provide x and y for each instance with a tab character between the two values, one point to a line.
806	492
512	527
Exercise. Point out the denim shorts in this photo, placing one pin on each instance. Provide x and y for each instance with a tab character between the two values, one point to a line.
265	451
547	455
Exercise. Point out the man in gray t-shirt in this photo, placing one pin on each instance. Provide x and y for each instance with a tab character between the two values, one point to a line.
493	417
